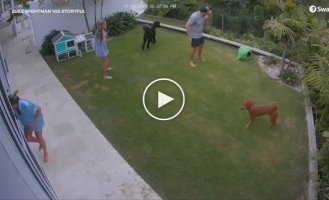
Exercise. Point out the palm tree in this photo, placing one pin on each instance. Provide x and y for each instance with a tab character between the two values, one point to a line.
289	28
280	33
95	2
102	9
85	14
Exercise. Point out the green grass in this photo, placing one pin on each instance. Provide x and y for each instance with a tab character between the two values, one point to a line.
204	153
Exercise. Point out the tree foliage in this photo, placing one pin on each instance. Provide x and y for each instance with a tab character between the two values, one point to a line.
119	23
316	77
47	47
278	31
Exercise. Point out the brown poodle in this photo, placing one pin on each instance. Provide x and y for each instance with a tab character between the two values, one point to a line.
270	109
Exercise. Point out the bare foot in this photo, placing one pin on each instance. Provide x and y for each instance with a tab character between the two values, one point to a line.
107	77
45	157
192	64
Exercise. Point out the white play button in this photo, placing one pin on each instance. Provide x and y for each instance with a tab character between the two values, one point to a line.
163	99
176	100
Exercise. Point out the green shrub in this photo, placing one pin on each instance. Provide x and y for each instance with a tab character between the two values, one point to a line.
120	23
248	36
323	188
247	39
289	76
207	29
47	47
324	166
324	152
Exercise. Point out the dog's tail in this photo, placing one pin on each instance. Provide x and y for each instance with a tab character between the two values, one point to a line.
146	28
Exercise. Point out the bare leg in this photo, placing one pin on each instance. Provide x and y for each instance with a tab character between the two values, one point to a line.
43	145
28	135
192	55
200	48
105	63
30	138
108	62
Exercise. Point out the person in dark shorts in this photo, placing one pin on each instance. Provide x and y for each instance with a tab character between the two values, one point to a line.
194	28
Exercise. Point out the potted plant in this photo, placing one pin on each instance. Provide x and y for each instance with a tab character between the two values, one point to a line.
17	26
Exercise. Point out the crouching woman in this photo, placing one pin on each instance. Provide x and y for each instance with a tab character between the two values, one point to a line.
29	114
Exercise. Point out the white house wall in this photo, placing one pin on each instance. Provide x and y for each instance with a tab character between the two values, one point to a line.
75	23
10	178
18	179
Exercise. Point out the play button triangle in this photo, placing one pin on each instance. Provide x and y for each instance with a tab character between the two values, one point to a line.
163	99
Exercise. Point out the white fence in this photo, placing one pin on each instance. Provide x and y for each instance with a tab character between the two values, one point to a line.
75	23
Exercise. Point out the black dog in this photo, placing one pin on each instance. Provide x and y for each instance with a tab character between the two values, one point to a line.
149	34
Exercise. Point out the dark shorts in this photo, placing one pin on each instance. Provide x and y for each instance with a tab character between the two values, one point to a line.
197	41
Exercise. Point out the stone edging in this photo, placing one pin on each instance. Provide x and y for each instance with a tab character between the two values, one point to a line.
313	164
312	148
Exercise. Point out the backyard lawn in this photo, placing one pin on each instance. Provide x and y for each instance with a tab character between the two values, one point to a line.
204	153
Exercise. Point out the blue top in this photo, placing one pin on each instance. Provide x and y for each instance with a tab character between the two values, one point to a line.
27	110
197	23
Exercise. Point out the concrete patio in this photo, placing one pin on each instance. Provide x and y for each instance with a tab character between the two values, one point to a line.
82	163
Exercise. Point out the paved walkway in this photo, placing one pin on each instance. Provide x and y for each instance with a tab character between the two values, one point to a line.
82	163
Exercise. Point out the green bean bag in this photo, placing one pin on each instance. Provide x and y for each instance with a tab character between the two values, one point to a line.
244	53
